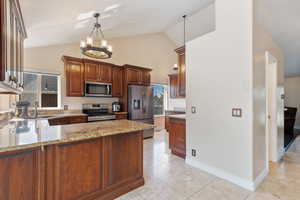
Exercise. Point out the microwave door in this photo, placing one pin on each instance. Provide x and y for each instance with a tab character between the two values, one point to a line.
97	89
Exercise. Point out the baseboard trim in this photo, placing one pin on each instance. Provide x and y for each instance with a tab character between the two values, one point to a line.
260	178
249	185
280	154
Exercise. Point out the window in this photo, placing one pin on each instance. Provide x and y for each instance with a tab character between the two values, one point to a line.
159	99
41	88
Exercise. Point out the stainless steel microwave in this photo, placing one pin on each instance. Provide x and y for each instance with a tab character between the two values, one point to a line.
94	89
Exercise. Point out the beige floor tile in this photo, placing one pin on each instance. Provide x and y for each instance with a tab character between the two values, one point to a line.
221	190
169	177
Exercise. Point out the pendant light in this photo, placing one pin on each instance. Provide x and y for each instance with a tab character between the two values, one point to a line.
175	66
95	45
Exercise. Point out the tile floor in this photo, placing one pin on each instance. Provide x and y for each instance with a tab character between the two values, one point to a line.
167	177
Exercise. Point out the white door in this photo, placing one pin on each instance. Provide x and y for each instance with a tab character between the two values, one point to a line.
271	108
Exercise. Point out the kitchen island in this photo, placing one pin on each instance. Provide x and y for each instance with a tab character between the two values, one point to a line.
100	160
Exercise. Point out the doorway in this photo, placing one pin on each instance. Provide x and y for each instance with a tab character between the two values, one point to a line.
271	109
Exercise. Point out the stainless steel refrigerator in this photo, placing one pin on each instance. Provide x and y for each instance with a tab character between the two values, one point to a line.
140	106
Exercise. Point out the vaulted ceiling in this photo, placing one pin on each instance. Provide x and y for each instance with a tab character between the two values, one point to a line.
66	21
281	19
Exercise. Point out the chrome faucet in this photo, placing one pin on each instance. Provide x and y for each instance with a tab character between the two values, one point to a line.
22	110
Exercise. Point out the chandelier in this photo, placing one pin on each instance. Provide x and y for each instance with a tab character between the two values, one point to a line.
95	45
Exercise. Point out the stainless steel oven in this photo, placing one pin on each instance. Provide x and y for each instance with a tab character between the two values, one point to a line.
94	89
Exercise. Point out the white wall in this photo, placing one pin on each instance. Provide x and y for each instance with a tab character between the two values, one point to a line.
225	70
154	51
219	71
292	94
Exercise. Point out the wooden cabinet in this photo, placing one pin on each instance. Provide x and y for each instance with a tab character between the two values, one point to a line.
67	120
20	174
80	70
117	81
74	70
177	136
105	73
97	71
167	119
12	38
134	76
146	77
173	85
181	71
91	71
120	116
99	168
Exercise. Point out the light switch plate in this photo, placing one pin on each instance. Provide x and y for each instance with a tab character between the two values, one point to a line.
194	109
237	112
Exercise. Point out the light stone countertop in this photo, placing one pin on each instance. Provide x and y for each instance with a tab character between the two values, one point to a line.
20	134
177	116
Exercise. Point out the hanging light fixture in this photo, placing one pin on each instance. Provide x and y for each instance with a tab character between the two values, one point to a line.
175	66
95	45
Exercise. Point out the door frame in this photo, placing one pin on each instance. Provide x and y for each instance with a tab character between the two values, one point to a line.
271	65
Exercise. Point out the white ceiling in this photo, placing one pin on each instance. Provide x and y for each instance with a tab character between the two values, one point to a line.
281	19
66	21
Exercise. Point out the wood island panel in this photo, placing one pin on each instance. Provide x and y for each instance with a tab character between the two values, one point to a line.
100	168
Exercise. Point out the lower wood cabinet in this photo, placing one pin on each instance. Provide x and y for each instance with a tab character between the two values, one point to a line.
100	168
121	116
177	136
20	175
67	120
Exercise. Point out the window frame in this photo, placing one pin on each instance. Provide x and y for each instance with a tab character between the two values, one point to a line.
39	90
165	105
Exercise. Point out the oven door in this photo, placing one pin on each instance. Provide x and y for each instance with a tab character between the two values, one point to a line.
94	89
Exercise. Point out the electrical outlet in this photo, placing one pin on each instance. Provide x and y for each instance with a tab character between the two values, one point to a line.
194	109
66	107
194	152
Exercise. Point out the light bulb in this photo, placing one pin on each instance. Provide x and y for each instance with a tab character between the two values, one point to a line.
89	41
175	67
103	43
82	44
109	48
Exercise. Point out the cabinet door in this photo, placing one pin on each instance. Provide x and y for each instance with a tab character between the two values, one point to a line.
173	86
91	72
74	78
105	73
181	75
117	85
134	76
78	170
146	77
20	176
178	136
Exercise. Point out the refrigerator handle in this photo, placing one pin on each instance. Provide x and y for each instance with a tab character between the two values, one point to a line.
143	106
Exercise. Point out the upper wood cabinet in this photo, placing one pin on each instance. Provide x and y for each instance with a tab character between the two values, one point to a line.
181	71
12	38
117	81
173	85
105	72
133	75
91	71
97	71
74	69
137	75
80	70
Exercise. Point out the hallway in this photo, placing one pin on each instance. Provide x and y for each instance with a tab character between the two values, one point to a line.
167	177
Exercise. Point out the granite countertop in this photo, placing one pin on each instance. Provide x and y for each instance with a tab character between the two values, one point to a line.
178	116
20	134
